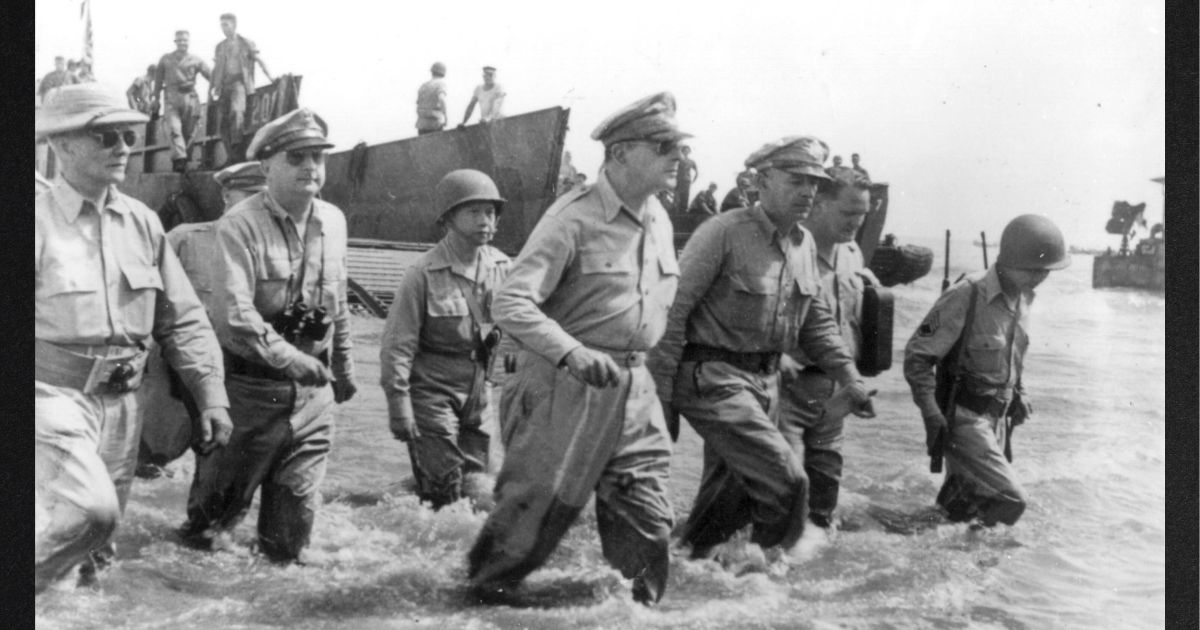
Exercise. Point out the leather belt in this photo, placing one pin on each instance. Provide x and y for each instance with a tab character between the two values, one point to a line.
763	362
100	369
993	406
475	355
813	369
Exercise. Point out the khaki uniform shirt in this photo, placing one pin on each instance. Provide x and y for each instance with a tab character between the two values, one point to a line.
196	246
234	62
108	278
594	273
264	267
430	314
842	285
995	345
177	73
747	288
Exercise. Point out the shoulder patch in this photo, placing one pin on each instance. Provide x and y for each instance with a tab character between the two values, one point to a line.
930	325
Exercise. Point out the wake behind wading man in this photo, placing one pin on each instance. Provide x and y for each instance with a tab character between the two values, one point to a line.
978	330
586	298
106	281
280	312
750	290
436	346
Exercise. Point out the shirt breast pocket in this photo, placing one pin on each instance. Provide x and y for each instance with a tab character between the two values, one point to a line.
143	283
753	299
447	306
605	263
989	355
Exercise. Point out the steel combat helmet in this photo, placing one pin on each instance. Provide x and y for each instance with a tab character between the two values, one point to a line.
464	186
1032	241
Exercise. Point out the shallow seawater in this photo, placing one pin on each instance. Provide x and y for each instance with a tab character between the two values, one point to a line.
1088	552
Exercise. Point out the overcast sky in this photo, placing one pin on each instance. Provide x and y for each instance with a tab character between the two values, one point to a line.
974	112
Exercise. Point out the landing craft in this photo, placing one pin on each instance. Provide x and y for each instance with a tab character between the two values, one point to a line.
1144	266
386	190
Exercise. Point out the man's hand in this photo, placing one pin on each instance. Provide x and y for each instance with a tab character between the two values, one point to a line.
935	427
404	428
343	390
307	370
861	402
594	368
1019	411
672	418
789	367
215	428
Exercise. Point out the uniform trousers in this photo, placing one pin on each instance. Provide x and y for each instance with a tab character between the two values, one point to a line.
980	482
183	111
282	432
449	397
815	438
84	458
565	440
751	474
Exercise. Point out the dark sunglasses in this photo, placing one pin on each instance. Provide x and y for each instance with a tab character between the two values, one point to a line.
666	147
108	138
296	158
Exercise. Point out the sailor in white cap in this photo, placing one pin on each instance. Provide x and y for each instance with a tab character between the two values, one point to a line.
750	291
587	297
106	282
279	309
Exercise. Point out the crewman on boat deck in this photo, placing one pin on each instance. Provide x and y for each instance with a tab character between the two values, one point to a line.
587	298
281	316
176	76
233	83
106	282
167	409
437	343
490	97
804	389
750	290
431	101
987	316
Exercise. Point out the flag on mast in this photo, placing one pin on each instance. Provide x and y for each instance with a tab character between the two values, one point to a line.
85	13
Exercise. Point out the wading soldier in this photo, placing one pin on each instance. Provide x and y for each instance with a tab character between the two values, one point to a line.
280	313
749	291
804	388
977	330
168	409
106	282
586	298
176	76
436	345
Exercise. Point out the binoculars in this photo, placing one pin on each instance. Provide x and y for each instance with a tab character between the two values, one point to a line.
298	321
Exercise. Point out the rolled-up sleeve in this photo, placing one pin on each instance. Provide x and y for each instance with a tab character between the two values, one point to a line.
401	338
182	328
699	265
534	276
238	324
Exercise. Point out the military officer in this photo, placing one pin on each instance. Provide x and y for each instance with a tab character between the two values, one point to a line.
978	330
436	345
280	313
586	298
167	408
804	387
749	291
106	283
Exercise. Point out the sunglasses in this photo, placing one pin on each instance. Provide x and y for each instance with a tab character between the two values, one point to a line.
296	158
109	138
666	147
